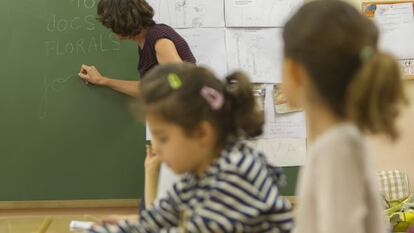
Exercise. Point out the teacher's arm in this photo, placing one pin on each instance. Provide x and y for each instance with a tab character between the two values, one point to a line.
167	52
90	74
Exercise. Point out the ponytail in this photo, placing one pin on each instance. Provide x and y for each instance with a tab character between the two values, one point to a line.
245	118
197	95
376	94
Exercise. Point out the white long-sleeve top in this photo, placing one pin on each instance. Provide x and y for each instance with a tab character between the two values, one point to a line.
338	190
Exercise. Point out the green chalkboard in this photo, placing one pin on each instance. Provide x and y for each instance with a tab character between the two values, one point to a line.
59	138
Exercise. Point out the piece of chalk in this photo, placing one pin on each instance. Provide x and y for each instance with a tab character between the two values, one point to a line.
80	225
45	225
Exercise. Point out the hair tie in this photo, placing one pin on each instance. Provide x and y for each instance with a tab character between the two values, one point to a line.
366	53
213	97
174	80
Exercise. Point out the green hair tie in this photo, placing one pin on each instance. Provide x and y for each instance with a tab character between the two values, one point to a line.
174	80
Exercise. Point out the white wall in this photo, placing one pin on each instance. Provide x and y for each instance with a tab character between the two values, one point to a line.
398	155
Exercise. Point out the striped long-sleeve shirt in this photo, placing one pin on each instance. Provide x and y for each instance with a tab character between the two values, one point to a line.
238	193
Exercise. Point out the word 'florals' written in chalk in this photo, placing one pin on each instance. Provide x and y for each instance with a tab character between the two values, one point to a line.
83	46
102	42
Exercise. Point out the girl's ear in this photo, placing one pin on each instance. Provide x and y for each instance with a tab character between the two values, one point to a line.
293	80
206	133
295	71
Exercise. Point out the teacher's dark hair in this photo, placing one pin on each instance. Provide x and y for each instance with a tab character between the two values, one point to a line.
125	17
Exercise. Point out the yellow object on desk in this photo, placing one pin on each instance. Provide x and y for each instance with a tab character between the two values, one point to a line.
45	225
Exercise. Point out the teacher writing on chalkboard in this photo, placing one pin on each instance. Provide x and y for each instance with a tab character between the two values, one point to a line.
157	43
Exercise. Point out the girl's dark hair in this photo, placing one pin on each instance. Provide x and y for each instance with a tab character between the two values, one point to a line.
338	47
125	17
186	107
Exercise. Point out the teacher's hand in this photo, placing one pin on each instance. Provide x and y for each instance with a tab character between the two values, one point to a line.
91	75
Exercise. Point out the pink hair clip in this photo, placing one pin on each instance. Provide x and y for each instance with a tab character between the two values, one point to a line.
213	97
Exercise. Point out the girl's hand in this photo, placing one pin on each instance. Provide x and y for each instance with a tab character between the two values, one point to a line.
152	167
152	163
91	75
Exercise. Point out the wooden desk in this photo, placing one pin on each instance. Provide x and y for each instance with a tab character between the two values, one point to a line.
29	220
60	224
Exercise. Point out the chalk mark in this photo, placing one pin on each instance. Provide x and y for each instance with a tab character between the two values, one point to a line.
56	85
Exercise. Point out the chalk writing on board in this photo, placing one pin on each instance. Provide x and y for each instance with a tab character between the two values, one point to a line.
50	86
102	42
58	24
83	46
88	4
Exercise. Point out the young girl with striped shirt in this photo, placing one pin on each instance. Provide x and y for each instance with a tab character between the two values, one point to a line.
198	123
